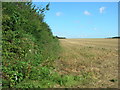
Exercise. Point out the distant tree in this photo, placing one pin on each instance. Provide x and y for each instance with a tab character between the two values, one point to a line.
60	37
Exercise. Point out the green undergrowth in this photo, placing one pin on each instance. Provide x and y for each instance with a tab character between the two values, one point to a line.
27	41
44	77
29	49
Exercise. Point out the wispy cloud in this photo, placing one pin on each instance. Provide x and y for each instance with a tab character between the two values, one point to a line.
87	13
58	13
102	9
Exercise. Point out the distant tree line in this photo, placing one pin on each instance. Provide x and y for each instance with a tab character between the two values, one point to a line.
60	37
113	37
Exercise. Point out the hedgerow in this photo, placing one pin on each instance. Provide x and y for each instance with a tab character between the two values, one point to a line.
27	42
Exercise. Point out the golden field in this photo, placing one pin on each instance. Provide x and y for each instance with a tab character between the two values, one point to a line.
96	56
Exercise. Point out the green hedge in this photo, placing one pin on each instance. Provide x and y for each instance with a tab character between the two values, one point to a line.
27	41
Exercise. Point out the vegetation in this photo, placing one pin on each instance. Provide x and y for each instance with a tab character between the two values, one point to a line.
113	37
96	59
27	42
33	58
30	49
60	37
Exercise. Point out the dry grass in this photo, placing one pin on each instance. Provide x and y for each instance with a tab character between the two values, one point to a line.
97	56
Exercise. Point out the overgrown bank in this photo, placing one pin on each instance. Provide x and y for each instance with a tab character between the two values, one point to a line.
27	43
29	50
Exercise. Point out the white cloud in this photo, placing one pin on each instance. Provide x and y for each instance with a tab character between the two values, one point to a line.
102	9
87	13
58	13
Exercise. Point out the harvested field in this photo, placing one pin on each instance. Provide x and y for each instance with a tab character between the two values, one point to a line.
96	56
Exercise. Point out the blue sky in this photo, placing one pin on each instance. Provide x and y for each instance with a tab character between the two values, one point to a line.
82	19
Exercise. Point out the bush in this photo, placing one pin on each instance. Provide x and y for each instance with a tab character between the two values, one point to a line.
27	43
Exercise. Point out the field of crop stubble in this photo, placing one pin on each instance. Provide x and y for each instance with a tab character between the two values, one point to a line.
96	56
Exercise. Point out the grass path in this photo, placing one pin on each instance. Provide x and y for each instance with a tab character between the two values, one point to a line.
96	56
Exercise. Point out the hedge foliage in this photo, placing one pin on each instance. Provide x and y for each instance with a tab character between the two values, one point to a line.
27	41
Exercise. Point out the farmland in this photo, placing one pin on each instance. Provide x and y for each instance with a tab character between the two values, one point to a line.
99	57
32	57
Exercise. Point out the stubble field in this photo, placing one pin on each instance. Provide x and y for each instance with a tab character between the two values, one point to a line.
98	57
